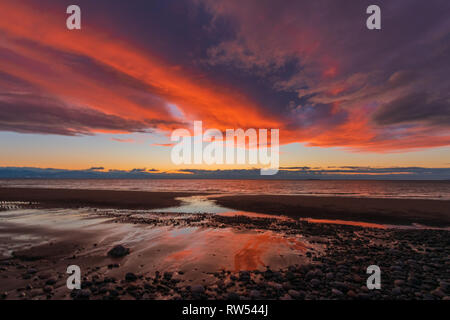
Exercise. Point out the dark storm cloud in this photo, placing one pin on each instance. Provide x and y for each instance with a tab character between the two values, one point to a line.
96	168
34	114
415	108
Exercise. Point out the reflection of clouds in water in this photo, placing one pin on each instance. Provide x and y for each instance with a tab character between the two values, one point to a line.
253	215
194	204
250	256
166	247
348	223
181	255
239	250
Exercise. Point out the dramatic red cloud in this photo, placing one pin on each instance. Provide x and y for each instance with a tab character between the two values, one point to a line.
218	107
370	91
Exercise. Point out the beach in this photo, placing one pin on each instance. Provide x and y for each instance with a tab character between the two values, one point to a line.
269	247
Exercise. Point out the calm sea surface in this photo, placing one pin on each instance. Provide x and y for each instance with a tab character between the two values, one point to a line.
373	189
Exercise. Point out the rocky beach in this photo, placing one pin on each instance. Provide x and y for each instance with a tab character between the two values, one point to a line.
233	255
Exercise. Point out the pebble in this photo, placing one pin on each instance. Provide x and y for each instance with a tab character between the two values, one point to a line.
277	286
336	292
198	289
296	294
363	296
396	291
130	277
244	276
438	293
48	289
167	275
31	271
399	283
83	294
255	294
351	294
232	296
314	283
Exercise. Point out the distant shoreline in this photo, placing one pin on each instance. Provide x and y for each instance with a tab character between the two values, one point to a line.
262	178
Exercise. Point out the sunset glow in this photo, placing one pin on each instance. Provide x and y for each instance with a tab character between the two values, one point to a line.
109	96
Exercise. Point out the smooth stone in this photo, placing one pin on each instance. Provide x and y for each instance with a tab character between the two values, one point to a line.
351	294
232	296
438	293
118	251
295	294
167	275
399	283
336	292
48	289
396	291
244	275
277	286
83	294
363	296
255	294
130	277
31	271
314	282
198	289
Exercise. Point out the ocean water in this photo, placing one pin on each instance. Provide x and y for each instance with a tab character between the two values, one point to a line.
438	190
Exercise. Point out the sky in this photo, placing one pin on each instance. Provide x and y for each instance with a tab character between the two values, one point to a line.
109	95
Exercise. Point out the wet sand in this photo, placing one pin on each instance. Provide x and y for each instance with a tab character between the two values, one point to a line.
386	211
216	257
71	198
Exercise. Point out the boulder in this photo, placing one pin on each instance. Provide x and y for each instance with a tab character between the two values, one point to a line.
118	251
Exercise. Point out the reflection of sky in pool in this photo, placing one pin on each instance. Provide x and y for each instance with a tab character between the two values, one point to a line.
194	204
160	247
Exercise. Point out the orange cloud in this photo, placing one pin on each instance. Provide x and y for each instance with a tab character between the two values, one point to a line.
217	106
